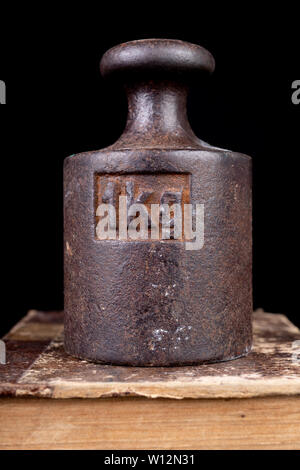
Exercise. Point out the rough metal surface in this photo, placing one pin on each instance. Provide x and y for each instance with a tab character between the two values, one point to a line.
154	303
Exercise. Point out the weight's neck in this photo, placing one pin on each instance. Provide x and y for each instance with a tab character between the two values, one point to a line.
157	117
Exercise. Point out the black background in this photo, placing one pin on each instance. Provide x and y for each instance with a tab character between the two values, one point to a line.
57	105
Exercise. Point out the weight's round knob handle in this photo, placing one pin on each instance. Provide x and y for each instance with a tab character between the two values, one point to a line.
156	74
167	58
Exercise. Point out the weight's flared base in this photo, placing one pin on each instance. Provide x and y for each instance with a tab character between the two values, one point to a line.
159	363
171	364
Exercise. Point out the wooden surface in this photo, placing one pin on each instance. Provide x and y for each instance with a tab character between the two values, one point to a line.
140	423
38	366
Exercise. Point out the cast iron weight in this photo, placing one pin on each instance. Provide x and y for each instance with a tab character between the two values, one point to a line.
155	302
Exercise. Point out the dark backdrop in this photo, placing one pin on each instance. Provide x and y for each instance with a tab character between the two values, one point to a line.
57	105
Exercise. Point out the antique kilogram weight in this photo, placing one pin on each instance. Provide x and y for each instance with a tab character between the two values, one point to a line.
153	294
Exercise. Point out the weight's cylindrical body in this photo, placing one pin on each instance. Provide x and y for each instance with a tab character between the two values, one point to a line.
155	302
